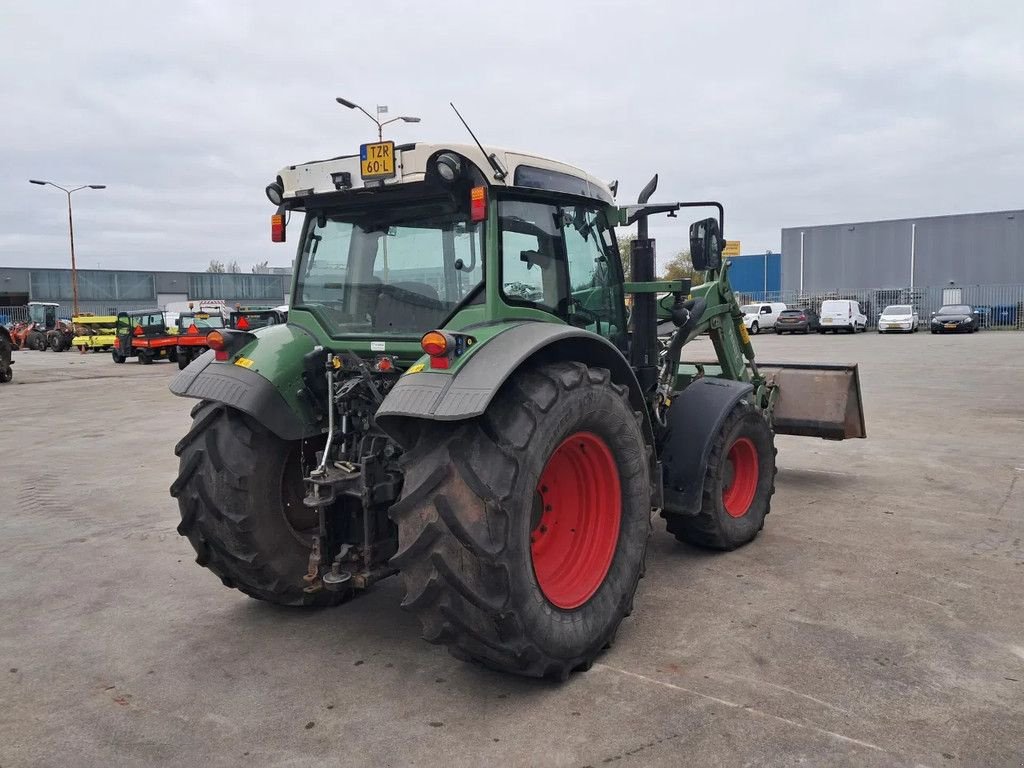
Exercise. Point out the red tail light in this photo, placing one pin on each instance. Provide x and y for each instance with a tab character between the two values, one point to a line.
277	233
478	204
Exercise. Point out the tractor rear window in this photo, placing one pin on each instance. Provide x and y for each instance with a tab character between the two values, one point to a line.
399	270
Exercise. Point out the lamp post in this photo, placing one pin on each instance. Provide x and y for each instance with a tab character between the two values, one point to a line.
71	233
377	122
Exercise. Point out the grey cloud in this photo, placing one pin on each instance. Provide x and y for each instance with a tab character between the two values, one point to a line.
790	113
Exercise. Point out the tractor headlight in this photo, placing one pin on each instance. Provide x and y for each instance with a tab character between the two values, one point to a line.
449	166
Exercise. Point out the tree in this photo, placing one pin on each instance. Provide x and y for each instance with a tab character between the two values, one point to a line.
261	268
624	241
216	267
232	267
680	267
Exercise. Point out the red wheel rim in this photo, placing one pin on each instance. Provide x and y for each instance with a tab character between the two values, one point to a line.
740	483
580	507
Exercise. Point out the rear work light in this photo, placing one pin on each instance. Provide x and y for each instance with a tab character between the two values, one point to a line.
478	204
277	233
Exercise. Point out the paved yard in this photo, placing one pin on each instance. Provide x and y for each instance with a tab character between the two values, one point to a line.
878	619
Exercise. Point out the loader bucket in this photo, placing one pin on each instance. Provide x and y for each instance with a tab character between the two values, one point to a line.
816	400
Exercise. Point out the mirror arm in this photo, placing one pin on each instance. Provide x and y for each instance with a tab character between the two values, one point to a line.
629	214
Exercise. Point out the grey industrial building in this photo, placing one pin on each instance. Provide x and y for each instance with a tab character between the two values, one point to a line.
972	249
103	291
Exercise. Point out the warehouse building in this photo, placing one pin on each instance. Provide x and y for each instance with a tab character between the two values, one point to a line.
972	258
102	291
973	249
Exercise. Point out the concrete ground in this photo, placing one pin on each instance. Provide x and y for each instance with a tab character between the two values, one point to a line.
878	620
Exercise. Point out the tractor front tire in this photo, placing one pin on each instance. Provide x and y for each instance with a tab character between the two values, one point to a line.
183	361
738	485
240	491
522	533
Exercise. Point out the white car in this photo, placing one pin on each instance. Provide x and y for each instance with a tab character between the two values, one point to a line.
760	317
898	318
842	315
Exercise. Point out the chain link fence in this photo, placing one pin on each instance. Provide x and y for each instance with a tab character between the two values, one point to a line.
1000	307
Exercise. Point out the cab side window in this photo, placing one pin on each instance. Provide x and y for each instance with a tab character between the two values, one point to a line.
529	254
595	299
562	259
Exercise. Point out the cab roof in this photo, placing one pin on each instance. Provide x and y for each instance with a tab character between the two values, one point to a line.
524	170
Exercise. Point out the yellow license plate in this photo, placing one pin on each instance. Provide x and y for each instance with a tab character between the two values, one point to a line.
377	161
892	325
949	326
826	320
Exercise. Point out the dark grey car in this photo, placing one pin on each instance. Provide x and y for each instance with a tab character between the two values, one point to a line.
955	318
797	321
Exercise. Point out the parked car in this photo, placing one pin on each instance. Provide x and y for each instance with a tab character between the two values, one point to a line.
760	317
797	321
898	318
955	318
842	315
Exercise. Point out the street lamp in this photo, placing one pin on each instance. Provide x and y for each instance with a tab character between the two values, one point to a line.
378	123
71	231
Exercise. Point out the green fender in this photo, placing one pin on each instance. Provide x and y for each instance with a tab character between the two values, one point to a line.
439	396
263	379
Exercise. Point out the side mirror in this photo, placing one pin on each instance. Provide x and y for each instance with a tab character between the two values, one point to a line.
706	245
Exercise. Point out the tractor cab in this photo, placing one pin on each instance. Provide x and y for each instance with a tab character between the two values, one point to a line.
43	314
143	334
252	318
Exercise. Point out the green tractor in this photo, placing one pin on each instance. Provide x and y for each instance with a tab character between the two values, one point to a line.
462	396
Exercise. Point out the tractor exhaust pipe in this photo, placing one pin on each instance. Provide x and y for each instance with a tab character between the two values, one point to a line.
643	350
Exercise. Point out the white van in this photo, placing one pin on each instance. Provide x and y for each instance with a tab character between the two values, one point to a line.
760	317
842	315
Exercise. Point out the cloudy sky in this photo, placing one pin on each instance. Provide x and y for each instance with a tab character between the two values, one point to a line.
790	113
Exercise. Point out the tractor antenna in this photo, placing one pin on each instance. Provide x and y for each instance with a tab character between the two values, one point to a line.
499	172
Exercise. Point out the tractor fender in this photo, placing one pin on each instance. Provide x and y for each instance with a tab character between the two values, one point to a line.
444	397
693	419
276	356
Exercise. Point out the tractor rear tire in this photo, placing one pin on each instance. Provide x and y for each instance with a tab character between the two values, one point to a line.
183	361
487	524
240	492
6	348
738	485
117	356
144	358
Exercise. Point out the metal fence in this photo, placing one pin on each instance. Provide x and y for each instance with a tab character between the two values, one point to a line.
11	315
1000	307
